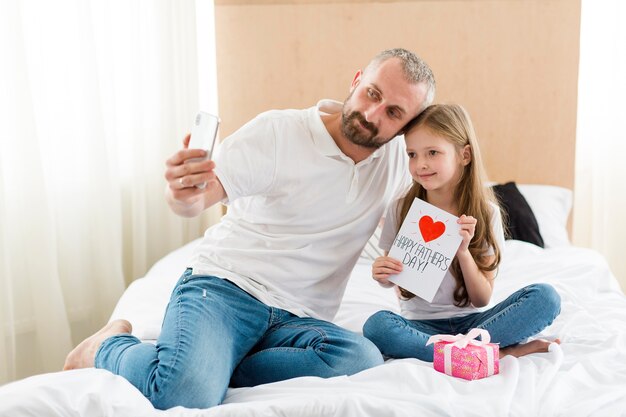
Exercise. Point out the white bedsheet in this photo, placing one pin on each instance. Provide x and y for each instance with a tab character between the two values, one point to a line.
584	376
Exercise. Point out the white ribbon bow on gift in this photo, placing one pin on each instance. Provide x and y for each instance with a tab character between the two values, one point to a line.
461	341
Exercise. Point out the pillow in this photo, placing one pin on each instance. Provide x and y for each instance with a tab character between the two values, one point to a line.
551	206
520	221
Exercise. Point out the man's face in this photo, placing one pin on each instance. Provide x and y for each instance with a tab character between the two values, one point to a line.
380	103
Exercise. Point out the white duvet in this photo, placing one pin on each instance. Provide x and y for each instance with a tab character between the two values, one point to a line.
584	376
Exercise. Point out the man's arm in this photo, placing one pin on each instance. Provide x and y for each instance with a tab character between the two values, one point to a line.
182	176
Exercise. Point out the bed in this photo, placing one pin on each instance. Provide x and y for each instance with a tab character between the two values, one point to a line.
584	376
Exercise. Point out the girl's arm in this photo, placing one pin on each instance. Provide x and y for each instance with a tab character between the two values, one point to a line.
479	284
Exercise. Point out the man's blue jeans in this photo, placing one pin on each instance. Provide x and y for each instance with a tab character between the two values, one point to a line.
215	334
523	314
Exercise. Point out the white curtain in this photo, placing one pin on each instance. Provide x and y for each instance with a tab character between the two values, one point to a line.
600	198
95	95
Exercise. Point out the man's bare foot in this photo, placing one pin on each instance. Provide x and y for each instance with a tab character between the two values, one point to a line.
84	354
522	349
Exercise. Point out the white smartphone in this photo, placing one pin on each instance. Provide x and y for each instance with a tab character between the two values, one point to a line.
203	135
204	132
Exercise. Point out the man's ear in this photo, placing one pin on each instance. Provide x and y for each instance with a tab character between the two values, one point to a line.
356	80
466	155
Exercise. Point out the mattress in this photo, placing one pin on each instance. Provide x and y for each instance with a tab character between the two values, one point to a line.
584	376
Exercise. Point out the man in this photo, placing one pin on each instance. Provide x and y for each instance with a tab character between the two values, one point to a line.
306	188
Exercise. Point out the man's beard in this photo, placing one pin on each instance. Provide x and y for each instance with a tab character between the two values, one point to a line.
352	127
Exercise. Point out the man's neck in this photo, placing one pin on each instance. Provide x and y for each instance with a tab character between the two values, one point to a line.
353	151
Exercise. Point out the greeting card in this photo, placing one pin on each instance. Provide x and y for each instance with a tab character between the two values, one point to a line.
426	244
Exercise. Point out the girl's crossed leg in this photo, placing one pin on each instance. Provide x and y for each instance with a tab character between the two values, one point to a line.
523	314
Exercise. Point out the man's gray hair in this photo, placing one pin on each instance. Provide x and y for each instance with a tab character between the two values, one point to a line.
415	69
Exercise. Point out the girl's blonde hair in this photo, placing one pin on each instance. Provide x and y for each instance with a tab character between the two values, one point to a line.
453	123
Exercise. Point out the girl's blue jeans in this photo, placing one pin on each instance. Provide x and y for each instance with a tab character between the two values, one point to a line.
215	334
523	314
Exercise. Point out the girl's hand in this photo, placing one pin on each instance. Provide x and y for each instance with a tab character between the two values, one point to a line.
468	227
383	267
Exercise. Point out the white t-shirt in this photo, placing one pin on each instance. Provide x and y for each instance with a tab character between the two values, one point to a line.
442	305
300	211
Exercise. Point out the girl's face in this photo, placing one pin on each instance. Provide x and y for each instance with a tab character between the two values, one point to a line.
434	162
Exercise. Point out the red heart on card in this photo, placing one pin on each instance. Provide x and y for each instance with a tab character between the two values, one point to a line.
430	229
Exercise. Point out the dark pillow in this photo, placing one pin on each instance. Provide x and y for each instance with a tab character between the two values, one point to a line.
520	221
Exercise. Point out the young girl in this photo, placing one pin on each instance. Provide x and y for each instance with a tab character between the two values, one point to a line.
447	171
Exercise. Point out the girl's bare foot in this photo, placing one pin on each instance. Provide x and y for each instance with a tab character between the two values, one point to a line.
84	354
534	346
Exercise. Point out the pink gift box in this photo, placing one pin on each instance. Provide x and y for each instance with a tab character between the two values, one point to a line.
463	357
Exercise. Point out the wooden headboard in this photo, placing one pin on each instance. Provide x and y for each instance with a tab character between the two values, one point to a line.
512	63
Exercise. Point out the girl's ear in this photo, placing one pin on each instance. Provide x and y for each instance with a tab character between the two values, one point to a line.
466	155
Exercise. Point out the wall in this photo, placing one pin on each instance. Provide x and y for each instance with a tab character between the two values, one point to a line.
512	63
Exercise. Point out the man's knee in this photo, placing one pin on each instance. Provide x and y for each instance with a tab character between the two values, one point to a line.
191	388
360	354
371	355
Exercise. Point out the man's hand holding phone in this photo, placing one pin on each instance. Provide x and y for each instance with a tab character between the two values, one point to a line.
190	169
203	135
